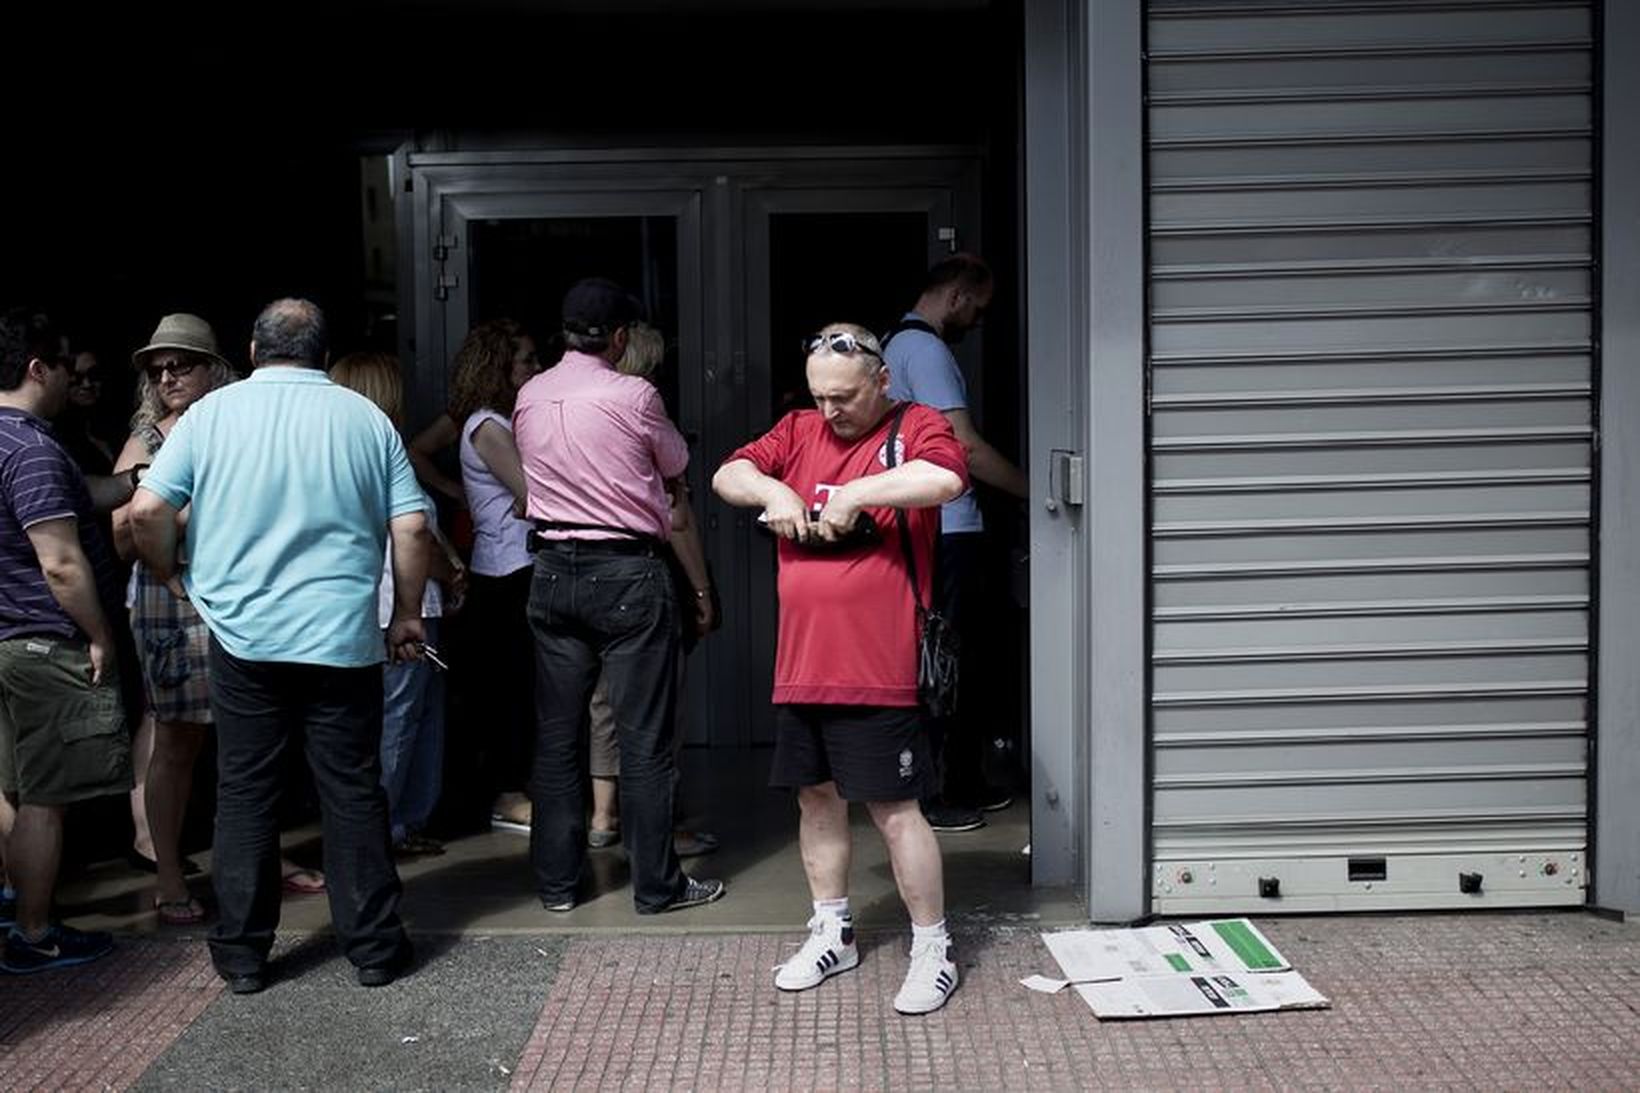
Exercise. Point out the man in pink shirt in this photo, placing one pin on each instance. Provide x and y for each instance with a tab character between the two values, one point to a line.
598	449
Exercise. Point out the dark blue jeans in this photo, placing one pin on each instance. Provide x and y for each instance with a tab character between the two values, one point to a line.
959	740
595	610
259	709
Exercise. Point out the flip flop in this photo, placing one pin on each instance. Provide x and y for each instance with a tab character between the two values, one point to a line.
303	882
179	912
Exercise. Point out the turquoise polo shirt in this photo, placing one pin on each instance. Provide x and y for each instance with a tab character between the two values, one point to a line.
292	480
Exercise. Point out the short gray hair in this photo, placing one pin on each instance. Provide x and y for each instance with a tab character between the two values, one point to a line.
291	330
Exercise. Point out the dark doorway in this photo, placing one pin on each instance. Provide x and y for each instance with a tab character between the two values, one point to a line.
835	267
522	268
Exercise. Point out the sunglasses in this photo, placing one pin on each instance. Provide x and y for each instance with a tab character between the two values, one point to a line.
178	369
841	341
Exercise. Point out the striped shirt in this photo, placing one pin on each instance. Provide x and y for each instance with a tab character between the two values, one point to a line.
39	482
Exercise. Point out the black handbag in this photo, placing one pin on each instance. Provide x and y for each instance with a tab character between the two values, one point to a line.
938	645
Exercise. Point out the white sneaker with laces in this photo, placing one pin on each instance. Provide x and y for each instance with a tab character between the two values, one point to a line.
830	949
931	979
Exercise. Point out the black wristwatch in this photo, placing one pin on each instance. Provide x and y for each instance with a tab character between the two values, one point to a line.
132	471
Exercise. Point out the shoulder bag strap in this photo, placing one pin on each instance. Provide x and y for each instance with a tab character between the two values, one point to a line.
910	324
890	457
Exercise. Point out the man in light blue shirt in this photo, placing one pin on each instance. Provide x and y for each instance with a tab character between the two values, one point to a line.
292	485
921	367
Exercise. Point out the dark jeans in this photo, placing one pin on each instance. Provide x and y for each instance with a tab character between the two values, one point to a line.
960	740
259	708
502	688
593	610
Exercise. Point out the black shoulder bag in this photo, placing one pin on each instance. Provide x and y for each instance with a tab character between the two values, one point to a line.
938	645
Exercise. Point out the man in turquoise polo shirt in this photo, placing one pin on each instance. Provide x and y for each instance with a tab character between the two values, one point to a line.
293	485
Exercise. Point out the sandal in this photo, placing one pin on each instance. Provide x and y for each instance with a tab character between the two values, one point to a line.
179	912
303	882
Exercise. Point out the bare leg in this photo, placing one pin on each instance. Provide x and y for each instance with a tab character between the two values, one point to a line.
8	819
823	836
176	746
915	854
142	750
606	804
33	853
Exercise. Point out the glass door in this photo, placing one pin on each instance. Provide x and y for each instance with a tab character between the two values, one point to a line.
514	255
833	253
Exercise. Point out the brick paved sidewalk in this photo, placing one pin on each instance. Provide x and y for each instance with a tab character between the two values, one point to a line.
1485	1001
1493	1001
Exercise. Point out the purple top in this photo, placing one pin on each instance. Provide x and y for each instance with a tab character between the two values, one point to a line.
597	448
39	482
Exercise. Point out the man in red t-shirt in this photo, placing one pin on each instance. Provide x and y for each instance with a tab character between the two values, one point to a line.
848	724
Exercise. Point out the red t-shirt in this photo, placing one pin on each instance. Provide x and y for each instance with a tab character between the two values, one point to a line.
848	629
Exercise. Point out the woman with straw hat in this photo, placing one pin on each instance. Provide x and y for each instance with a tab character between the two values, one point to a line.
179	366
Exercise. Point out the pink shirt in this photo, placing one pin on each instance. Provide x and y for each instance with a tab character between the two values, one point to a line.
597	448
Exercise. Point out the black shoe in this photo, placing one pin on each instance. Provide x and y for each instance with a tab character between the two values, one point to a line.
380	975
696	892
246	982
994	800
142	863
949	818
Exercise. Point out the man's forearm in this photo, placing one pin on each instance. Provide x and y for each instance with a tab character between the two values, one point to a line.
109	491
154	534
913	485
741	483
995	469
411	545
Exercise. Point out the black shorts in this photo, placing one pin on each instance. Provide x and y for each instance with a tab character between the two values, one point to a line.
873	753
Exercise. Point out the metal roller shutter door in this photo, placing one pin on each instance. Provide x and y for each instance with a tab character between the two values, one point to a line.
1370	346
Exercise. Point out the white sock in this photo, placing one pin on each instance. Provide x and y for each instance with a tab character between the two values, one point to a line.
836	908
924	934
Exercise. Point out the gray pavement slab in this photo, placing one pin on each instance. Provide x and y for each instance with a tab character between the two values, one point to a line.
459	1021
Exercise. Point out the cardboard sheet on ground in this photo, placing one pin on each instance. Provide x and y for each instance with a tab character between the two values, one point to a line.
1180	969
1225	945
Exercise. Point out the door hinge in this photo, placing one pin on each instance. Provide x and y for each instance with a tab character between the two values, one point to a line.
443	245
446	282
948	236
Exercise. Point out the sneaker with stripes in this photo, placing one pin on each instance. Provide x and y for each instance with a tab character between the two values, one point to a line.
829	950
932	978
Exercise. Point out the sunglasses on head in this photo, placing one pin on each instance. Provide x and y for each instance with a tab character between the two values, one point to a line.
841	341
177	369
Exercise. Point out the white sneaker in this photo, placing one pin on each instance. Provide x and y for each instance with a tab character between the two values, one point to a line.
931	979
829	950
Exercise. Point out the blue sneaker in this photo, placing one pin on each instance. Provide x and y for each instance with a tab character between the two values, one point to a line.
62	947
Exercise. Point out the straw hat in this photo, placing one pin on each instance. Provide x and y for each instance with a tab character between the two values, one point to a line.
182	331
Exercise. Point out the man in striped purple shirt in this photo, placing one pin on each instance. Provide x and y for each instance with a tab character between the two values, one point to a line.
62	726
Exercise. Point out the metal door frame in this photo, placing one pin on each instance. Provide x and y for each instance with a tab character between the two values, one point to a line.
757	203
723	182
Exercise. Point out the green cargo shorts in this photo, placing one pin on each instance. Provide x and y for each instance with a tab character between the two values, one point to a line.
61	739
